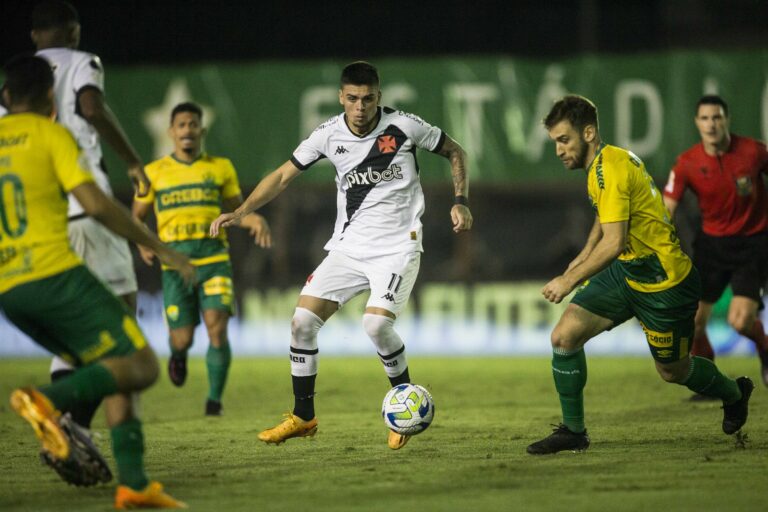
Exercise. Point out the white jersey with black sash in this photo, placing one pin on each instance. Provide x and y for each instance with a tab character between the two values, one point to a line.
379	200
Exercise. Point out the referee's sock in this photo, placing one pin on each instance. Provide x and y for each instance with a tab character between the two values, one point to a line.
757	335
702	347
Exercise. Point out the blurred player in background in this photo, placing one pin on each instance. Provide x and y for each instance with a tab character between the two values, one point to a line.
377	240
725	172
631	265
189	189
81	108
48	293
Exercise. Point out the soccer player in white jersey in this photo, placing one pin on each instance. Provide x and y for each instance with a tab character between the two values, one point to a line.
376	243
81	107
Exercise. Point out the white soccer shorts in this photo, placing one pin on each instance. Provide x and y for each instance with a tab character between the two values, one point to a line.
390	279
105	254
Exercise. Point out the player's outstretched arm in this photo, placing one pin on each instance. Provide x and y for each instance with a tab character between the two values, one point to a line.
139	211
116	219
96	111
460	214
256	224
608	248
268	188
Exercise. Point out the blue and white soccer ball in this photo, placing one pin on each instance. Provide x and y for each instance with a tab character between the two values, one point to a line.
408	409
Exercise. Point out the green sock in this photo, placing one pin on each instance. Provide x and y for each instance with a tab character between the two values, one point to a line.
88	384
570	372
704	378
128	447
217	360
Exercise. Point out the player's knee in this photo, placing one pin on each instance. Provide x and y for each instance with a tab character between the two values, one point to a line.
377	326
675	373
148	368
381	331
137	371
667	375
562	339
181	338
217	335
304	327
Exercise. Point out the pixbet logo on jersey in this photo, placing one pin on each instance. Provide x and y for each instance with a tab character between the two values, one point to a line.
372	177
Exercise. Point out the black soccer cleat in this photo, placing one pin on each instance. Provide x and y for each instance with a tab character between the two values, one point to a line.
735	414
212	408
85	465
561	438
177	369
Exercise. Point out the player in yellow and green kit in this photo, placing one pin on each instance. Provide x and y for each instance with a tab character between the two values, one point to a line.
47	292
631	266
189	189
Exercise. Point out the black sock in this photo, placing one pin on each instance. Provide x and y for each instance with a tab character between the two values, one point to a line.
82	412
403	378
304	396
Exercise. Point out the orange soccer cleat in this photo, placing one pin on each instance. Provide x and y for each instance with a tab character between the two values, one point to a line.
291	426
151	497
38	410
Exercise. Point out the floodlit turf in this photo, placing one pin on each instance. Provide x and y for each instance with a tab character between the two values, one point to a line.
651	448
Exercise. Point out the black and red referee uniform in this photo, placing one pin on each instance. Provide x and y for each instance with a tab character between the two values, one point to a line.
732	246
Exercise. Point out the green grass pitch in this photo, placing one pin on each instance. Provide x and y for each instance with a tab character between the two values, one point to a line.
651	448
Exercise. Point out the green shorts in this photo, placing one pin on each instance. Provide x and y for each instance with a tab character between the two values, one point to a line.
213	290
666	316
74	316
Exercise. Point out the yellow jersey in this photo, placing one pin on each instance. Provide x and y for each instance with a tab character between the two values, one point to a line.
187	197
620	189
39	164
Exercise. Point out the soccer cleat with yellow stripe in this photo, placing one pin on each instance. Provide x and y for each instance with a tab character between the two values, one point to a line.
291	426
397	441
151	497
38	410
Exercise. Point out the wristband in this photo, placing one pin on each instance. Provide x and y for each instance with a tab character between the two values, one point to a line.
461	200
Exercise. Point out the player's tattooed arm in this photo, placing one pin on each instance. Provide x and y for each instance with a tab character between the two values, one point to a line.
458	157
460	214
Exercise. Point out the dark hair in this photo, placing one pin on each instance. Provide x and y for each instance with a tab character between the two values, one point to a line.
28	78
712	99
54	14
577	110
187	106
360	73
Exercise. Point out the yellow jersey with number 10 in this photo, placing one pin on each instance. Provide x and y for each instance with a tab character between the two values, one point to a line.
39	164
621	189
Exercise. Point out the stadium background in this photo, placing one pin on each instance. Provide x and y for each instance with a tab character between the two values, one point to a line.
486	73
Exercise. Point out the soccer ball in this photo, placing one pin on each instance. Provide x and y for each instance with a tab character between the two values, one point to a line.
408	409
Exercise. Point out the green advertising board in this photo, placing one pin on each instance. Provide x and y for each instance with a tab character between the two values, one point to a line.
259	111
